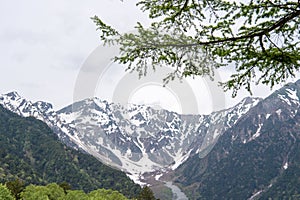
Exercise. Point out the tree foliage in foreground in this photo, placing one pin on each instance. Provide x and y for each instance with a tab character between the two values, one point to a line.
5	193
54	192
259	37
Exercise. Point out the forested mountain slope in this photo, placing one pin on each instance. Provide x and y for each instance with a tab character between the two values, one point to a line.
29	150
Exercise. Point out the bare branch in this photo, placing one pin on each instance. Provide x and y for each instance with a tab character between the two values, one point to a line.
261	43
181	9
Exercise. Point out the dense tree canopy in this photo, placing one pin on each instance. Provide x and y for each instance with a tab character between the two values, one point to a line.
53	191
259	37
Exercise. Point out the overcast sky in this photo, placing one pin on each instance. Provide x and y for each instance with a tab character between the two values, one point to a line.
44	45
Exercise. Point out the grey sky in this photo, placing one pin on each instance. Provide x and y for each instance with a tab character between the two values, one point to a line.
43	45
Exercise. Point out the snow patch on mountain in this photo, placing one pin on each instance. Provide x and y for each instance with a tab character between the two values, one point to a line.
293	94
285	166
257	134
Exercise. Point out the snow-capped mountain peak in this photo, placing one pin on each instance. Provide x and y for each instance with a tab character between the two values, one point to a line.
43	106
14	102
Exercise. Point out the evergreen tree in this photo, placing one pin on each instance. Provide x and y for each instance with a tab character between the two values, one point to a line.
16	187
65	186
146	194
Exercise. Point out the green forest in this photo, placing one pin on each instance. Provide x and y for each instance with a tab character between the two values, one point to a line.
16	190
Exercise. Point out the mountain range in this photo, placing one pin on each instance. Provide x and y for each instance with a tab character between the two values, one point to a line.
136	138
241	152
